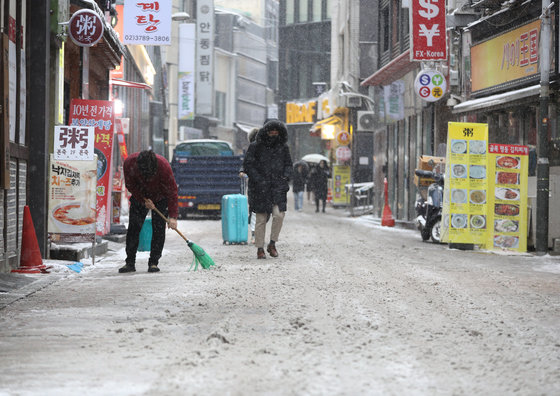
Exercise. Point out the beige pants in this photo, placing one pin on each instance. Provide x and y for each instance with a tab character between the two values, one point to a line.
260	226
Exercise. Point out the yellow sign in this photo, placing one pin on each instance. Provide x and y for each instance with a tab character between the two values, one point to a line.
507	198
506	58
341	177
465	191
300	112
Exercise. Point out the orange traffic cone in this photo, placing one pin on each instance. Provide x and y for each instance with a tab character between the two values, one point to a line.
30	261
387	218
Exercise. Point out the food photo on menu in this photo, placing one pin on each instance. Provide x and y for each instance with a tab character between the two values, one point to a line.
507	178
478	221
506	225
508	162
477	172
458	146
506	241
459	171
507	194
478	197
506	209
477	147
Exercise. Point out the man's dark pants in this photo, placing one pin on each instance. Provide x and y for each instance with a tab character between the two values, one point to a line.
136	217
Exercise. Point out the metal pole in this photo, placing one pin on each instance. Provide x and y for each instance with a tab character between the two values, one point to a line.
542	142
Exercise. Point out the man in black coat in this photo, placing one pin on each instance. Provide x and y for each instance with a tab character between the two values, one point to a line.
269	166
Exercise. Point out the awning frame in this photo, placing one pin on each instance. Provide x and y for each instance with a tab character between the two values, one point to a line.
496	100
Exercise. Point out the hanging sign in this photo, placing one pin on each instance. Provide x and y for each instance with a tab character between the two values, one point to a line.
430	85
147	22
85	28
428	30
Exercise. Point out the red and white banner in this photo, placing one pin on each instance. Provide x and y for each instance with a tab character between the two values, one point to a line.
428	30
99	114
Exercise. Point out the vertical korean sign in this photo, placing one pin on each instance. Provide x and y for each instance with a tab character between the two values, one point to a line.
186	70
507	215
465	194
99	114
204	56
147	22
428	32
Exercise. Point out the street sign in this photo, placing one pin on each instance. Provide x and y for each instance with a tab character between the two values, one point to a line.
343	153
430	85
85	28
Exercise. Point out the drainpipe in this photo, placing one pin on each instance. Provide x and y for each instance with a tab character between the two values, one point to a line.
542	142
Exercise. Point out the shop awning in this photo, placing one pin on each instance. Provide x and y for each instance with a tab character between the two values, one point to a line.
392	71
129	84
315	129
496	100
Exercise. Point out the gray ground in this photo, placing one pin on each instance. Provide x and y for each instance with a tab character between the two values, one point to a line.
348	308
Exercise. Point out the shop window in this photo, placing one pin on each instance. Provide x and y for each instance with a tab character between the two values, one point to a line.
289	12
303	11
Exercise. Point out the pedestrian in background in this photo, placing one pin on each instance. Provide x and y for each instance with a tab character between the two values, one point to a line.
298	185
252	216
150	181
269	166
319	180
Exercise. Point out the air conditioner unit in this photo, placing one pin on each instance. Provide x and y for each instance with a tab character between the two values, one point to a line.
366	121
351	101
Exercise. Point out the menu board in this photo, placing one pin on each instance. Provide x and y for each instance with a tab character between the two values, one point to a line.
465	193
507	198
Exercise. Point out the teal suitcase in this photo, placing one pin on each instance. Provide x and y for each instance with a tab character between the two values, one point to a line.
235	216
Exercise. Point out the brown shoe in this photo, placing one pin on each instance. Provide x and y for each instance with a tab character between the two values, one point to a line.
271	249
260	253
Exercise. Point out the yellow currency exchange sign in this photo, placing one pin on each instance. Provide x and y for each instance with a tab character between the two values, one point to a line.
465	191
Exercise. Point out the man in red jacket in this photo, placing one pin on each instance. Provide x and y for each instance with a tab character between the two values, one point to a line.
150	181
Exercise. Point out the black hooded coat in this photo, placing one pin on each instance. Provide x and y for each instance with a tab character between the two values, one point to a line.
269	166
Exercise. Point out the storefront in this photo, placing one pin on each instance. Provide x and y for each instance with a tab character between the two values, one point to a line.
504	92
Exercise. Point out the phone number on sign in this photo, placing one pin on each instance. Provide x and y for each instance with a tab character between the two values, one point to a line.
134	37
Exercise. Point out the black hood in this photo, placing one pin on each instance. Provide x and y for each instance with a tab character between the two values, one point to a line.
262	136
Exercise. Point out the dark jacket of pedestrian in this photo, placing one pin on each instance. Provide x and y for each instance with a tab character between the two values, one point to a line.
319	180
269	166
300	178
160	186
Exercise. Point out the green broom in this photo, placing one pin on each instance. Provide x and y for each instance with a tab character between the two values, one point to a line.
200	256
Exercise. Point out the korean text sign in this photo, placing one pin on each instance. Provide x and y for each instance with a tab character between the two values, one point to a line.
204	56
147	22
428	31
507	197
74	142
99	114
466	184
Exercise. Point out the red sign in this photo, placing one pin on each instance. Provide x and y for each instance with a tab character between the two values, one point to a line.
99	114
428	30
85	28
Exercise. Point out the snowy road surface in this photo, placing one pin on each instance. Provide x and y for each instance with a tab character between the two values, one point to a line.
347	309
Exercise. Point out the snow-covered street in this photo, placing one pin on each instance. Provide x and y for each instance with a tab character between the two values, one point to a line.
348	308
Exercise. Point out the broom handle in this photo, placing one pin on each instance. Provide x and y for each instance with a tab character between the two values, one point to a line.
167	221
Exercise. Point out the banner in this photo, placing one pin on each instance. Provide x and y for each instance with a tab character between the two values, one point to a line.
466	184
72	203
186	71
204	63
507	198
99	114
121	139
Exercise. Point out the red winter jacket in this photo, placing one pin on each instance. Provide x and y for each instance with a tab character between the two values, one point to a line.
160	186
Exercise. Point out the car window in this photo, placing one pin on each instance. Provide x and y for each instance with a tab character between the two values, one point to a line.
204	148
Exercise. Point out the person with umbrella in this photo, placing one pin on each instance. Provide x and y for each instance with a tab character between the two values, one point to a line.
298	185
319	180
269	166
